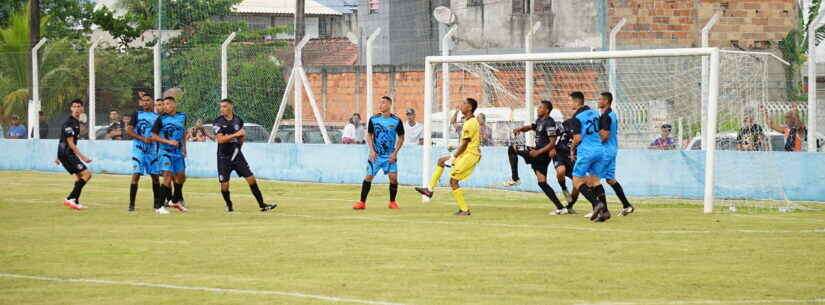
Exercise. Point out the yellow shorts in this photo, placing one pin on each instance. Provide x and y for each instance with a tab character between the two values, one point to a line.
463	166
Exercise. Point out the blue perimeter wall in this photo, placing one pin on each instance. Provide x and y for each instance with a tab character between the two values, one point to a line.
642	173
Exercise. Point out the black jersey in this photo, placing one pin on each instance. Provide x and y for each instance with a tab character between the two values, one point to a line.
70	129
565	140
545	129
228	127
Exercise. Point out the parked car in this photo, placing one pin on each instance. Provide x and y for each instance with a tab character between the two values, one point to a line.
727	141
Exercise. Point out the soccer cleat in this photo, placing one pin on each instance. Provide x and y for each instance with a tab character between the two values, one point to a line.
561	211
570	210
626	211
230	209
162	211
178	207
462	213
268	207
511	182
393	205
131	208
588	215
72	204
567	196
424	191
182	203
81	207
359	205
598	210
603	216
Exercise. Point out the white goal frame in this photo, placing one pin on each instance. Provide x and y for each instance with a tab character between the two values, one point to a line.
713	95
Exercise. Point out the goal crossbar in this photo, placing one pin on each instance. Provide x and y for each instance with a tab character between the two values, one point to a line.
712	99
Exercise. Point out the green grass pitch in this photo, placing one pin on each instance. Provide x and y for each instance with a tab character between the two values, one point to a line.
314	249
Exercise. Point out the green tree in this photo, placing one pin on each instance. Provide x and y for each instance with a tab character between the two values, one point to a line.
70	19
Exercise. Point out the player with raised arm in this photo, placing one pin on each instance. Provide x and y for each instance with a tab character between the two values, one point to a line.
564	164
144	150
463	161
610	138
170	131
538	157
70	156
230	134
588	152
385	137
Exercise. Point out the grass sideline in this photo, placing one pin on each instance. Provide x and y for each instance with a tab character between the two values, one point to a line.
313	249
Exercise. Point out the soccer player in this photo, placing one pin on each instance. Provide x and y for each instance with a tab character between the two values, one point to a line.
463	161
70	156
385	137
144	150
588	152
564	164
610	139
230	134
538	157
170	131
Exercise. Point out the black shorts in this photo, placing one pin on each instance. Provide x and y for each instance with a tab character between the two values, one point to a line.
563	159
72	163
539	164
226	166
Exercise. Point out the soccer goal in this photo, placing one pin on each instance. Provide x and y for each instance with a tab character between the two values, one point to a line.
651	88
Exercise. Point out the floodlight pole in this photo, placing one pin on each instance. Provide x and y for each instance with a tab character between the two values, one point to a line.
614	82
530	80
445	90
34	105
812	79
705	81
370	41
92	87
224	68
156	68
299	97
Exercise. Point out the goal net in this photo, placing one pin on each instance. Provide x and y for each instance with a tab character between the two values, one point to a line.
664	108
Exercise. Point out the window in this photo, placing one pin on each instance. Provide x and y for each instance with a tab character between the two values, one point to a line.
325	27
519	6
374	6
522	7
475	3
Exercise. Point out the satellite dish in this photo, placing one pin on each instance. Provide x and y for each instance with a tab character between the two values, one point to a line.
444	15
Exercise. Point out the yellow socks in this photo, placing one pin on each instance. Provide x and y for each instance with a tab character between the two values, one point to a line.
436	176
459	197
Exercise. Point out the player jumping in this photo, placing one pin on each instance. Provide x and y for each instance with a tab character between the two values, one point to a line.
588	151
382	131
463	161
144	151
229	133
170	131
69	155
610	139
538	157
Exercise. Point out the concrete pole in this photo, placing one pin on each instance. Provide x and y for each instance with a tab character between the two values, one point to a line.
614	82
445	90
156	68
34	106
705	42
224	68
369	96
299	97
92	87
812	80
530	80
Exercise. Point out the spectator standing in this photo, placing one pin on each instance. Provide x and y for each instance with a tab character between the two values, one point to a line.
16	130
127	120
484	130
412	129
664	142
115	129
793	130
44	126
353	133
751	136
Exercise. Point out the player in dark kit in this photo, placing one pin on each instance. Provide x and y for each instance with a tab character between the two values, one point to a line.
564	163
144	150
230	134
70	156
538	157
385	137
170	131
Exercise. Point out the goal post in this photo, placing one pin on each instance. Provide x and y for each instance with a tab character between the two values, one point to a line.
432	64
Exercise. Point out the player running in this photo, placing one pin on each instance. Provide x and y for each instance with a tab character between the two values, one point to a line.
144	150
170	131
538	157
229	133
588	152
70	156
610	139
385	137
463	161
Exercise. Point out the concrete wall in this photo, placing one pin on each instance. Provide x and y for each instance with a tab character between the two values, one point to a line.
643	173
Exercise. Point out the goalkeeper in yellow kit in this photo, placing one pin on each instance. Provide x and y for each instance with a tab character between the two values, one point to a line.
463	161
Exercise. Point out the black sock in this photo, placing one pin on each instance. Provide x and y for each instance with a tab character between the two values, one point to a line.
165	195
574	196
178	196
365	190
563	185
620	193
551	194
393	191
589	194
257	193
132	194
156	194
513	157
599	192
226	199
78	187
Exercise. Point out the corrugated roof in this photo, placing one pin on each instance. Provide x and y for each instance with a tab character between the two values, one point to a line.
312	7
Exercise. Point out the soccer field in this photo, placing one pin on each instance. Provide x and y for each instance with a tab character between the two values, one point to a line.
314	249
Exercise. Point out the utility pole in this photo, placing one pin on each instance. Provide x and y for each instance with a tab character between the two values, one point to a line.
299	21
34	29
